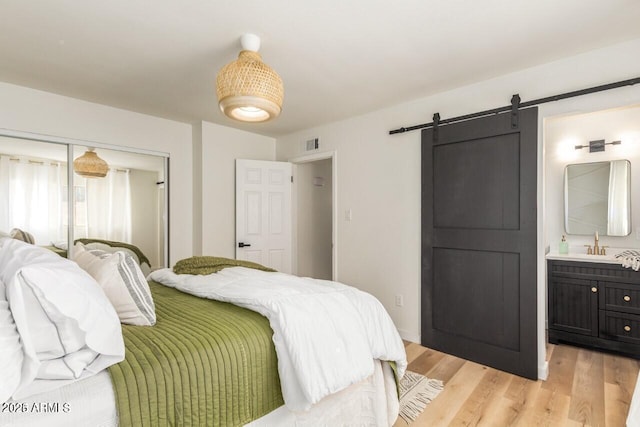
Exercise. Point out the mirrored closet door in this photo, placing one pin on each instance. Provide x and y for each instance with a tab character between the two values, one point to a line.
111	196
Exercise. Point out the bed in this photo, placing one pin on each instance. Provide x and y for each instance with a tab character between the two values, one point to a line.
211	362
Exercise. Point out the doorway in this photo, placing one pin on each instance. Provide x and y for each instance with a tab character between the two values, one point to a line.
314	216
263	213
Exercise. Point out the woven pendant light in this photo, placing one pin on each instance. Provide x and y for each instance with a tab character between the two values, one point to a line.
89	165
248	89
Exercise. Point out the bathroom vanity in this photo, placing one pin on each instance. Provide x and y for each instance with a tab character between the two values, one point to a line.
594	301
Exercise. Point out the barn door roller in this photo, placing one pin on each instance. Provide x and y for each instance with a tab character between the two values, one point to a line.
516	104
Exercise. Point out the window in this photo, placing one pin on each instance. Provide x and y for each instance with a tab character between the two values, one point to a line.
34	198
31	197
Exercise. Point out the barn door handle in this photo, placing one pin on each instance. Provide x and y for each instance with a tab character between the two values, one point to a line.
243	245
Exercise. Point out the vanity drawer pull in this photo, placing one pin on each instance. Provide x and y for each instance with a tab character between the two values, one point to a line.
627	328
627	298
594	289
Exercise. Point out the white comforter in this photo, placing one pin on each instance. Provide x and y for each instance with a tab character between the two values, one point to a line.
326	334
68	330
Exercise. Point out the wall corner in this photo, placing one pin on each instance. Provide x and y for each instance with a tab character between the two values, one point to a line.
196	141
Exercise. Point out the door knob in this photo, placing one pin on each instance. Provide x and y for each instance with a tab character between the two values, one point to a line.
243	245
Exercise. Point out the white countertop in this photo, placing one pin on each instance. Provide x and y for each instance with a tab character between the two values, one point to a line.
583	257
579	253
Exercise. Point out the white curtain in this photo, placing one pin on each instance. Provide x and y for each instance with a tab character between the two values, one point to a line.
108	204
619	203
31	198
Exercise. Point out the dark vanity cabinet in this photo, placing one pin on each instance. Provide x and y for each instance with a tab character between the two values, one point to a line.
594	304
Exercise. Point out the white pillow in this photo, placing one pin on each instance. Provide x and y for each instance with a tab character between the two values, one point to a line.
47	291
144	267
4	237
60	244
122	281
47	344
11	354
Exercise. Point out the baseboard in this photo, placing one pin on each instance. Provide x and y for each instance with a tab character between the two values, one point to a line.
409	336
543	371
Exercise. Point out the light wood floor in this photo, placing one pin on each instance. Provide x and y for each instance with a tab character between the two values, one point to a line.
584	388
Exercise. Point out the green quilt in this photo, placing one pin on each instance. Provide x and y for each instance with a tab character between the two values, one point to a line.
204	363
212	264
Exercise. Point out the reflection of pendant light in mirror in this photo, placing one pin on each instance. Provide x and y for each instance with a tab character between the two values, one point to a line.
248	89
89	165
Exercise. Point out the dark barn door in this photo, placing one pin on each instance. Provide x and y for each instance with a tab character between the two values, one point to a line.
479	241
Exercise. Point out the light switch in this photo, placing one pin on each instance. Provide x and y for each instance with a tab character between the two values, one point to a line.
348	215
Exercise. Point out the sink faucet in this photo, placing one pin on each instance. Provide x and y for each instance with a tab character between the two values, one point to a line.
597	249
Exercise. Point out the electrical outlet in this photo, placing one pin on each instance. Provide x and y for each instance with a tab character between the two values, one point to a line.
399	301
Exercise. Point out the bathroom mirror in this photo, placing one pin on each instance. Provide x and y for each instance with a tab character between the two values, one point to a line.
597	197
128	204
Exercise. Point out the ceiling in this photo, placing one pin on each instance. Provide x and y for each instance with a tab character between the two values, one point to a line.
337	58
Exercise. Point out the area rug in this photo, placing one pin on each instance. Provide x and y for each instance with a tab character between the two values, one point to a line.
416	392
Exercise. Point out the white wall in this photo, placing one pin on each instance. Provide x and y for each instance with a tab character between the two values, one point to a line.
379	174
313	219
30	110
196	140
561	135
221	146
144	214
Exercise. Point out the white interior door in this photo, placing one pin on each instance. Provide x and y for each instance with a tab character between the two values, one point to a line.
263	213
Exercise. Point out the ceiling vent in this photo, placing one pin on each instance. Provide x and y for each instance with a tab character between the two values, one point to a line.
311	144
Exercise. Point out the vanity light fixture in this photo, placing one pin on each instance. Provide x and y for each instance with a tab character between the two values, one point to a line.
598	145
89	165
248	89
